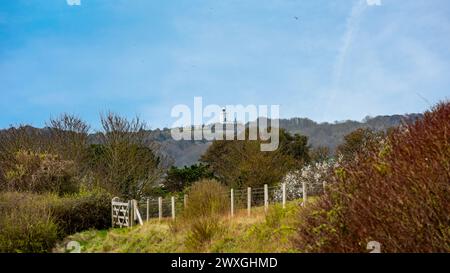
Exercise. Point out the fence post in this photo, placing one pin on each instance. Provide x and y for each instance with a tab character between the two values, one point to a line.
130	213
305	194
324	183
283	187
134	209
137	214
232	202
249	200
173	207
112	212
148	208
160	213
266	197
185	200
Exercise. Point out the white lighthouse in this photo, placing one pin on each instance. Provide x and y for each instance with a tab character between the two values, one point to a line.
224	115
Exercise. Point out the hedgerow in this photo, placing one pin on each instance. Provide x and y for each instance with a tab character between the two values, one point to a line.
398	194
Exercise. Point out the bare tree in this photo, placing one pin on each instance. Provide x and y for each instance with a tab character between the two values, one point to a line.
69	136
131	163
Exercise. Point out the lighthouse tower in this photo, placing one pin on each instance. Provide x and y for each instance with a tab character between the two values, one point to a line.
224	115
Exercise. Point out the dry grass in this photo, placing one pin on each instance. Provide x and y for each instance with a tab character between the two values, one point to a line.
271	232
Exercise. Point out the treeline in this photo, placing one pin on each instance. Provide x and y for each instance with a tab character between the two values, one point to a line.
125	162
241	163
60	159
329	135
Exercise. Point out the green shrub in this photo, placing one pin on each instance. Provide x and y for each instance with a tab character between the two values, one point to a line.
206	198
83	211
179	178
277	216
26	224
207	202
34	222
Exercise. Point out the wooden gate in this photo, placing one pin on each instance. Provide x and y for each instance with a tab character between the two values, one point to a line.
120	212
123	214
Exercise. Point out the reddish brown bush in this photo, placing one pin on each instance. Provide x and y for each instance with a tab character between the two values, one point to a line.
397	194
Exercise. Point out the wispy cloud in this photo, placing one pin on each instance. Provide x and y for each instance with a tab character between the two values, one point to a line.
352	27
74	2
373	2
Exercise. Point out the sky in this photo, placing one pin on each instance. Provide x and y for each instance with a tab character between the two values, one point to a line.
327	60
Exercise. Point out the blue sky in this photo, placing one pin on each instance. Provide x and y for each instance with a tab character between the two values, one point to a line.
322	59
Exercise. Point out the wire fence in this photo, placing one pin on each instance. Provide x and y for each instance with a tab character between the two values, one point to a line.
240	199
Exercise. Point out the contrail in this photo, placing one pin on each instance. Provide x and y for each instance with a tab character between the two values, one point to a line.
352	27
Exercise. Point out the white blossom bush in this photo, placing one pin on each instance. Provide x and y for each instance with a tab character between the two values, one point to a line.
314	175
